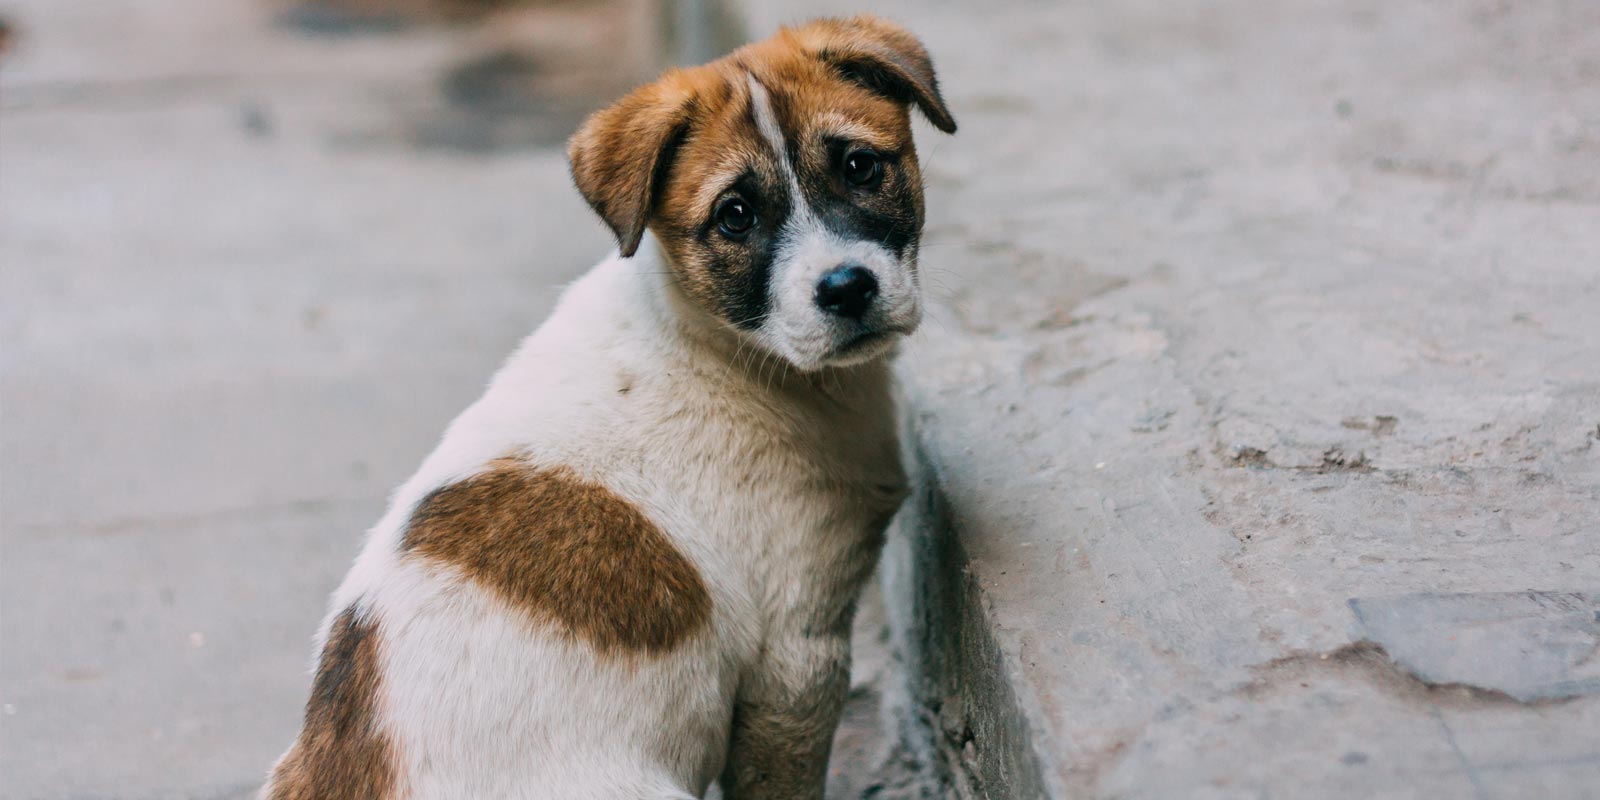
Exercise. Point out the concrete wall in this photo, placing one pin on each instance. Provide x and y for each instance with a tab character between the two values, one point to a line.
954	684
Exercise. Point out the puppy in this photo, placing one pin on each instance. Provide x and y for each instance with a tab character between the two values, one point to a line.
630	568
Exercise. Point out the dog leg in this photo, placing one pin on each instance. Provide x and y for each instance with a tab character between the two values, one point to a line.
784	720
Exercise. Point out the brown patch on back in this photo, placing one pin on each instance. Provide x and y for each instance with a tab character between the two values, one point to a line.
341	754
567	551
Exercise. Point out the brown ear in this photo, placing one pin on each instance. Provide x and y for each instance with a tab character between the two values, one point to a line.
622	152
883	57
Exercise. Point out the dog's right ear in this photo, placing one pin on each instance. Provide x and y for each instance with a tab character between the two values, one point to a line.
883	57
621	155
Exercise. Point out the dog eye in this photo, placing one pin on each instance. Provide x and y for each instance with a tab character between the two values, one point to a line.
735	217
862	168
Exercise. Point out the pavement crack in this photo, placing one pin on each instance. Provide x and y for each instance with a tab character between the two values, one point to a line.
1334	459
1369	660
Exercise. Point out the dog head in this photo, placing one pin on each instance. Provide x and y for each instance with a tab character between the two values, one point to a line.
782	183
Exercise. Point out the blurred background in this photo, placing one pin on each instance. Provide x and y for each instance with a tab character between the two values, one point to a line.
1248	315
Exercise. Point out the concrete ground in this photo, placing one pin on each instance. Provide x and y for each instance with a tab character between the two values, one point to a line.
1258	418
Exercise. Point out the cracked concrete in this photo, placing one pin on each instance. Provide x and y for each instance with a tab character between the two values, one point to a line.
1527	646
1373	663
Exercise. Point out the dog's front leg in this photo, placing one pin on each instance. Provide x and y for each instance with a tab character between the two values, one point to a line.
784	718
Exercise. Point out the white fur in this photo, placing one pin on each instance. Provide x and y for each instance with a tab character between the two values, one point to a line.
775	483
796	328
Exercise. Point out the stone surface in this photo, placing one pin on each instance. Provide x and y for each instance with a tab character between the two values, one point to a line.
1249	309
1529	646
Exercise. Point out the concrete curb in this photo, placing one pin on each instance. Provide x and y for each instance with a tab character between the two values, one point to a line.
957	680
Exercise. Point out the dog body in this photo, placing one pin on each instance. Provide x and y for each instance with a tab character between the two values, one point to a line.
631	567
774	506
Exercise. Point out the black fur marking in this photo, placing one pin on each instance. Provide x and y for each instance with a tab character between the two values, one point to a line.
885	213
743	275
742	268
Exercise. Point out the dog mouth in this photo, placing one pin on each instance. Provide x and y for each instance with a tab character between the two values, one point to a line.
862	343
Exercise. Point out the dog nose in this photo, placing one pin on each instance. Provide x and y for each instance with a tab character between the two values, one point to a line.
847	291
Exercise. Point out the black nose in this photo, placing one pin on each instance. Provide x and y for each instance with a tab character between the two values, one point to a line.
847	291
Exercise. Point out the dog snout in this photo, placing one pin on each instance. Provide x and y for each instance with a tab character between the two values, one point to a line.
847	291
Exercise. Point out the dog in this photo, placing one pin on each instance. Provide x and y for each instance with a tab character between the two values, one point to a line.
630	568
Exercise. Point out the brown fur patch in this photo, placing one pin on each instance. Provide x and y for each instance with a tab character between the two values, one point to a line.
567	551
341	754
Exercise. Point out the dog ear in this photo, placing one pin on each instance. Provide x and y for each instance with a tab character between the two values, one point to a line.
882	57
620	156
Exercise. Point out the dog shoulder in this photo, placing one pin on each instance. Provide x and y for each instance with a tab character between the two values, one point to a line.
563	551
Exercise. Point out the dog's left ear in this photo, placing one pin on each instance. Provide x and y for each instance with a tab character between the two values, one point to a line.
883	57
621	154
